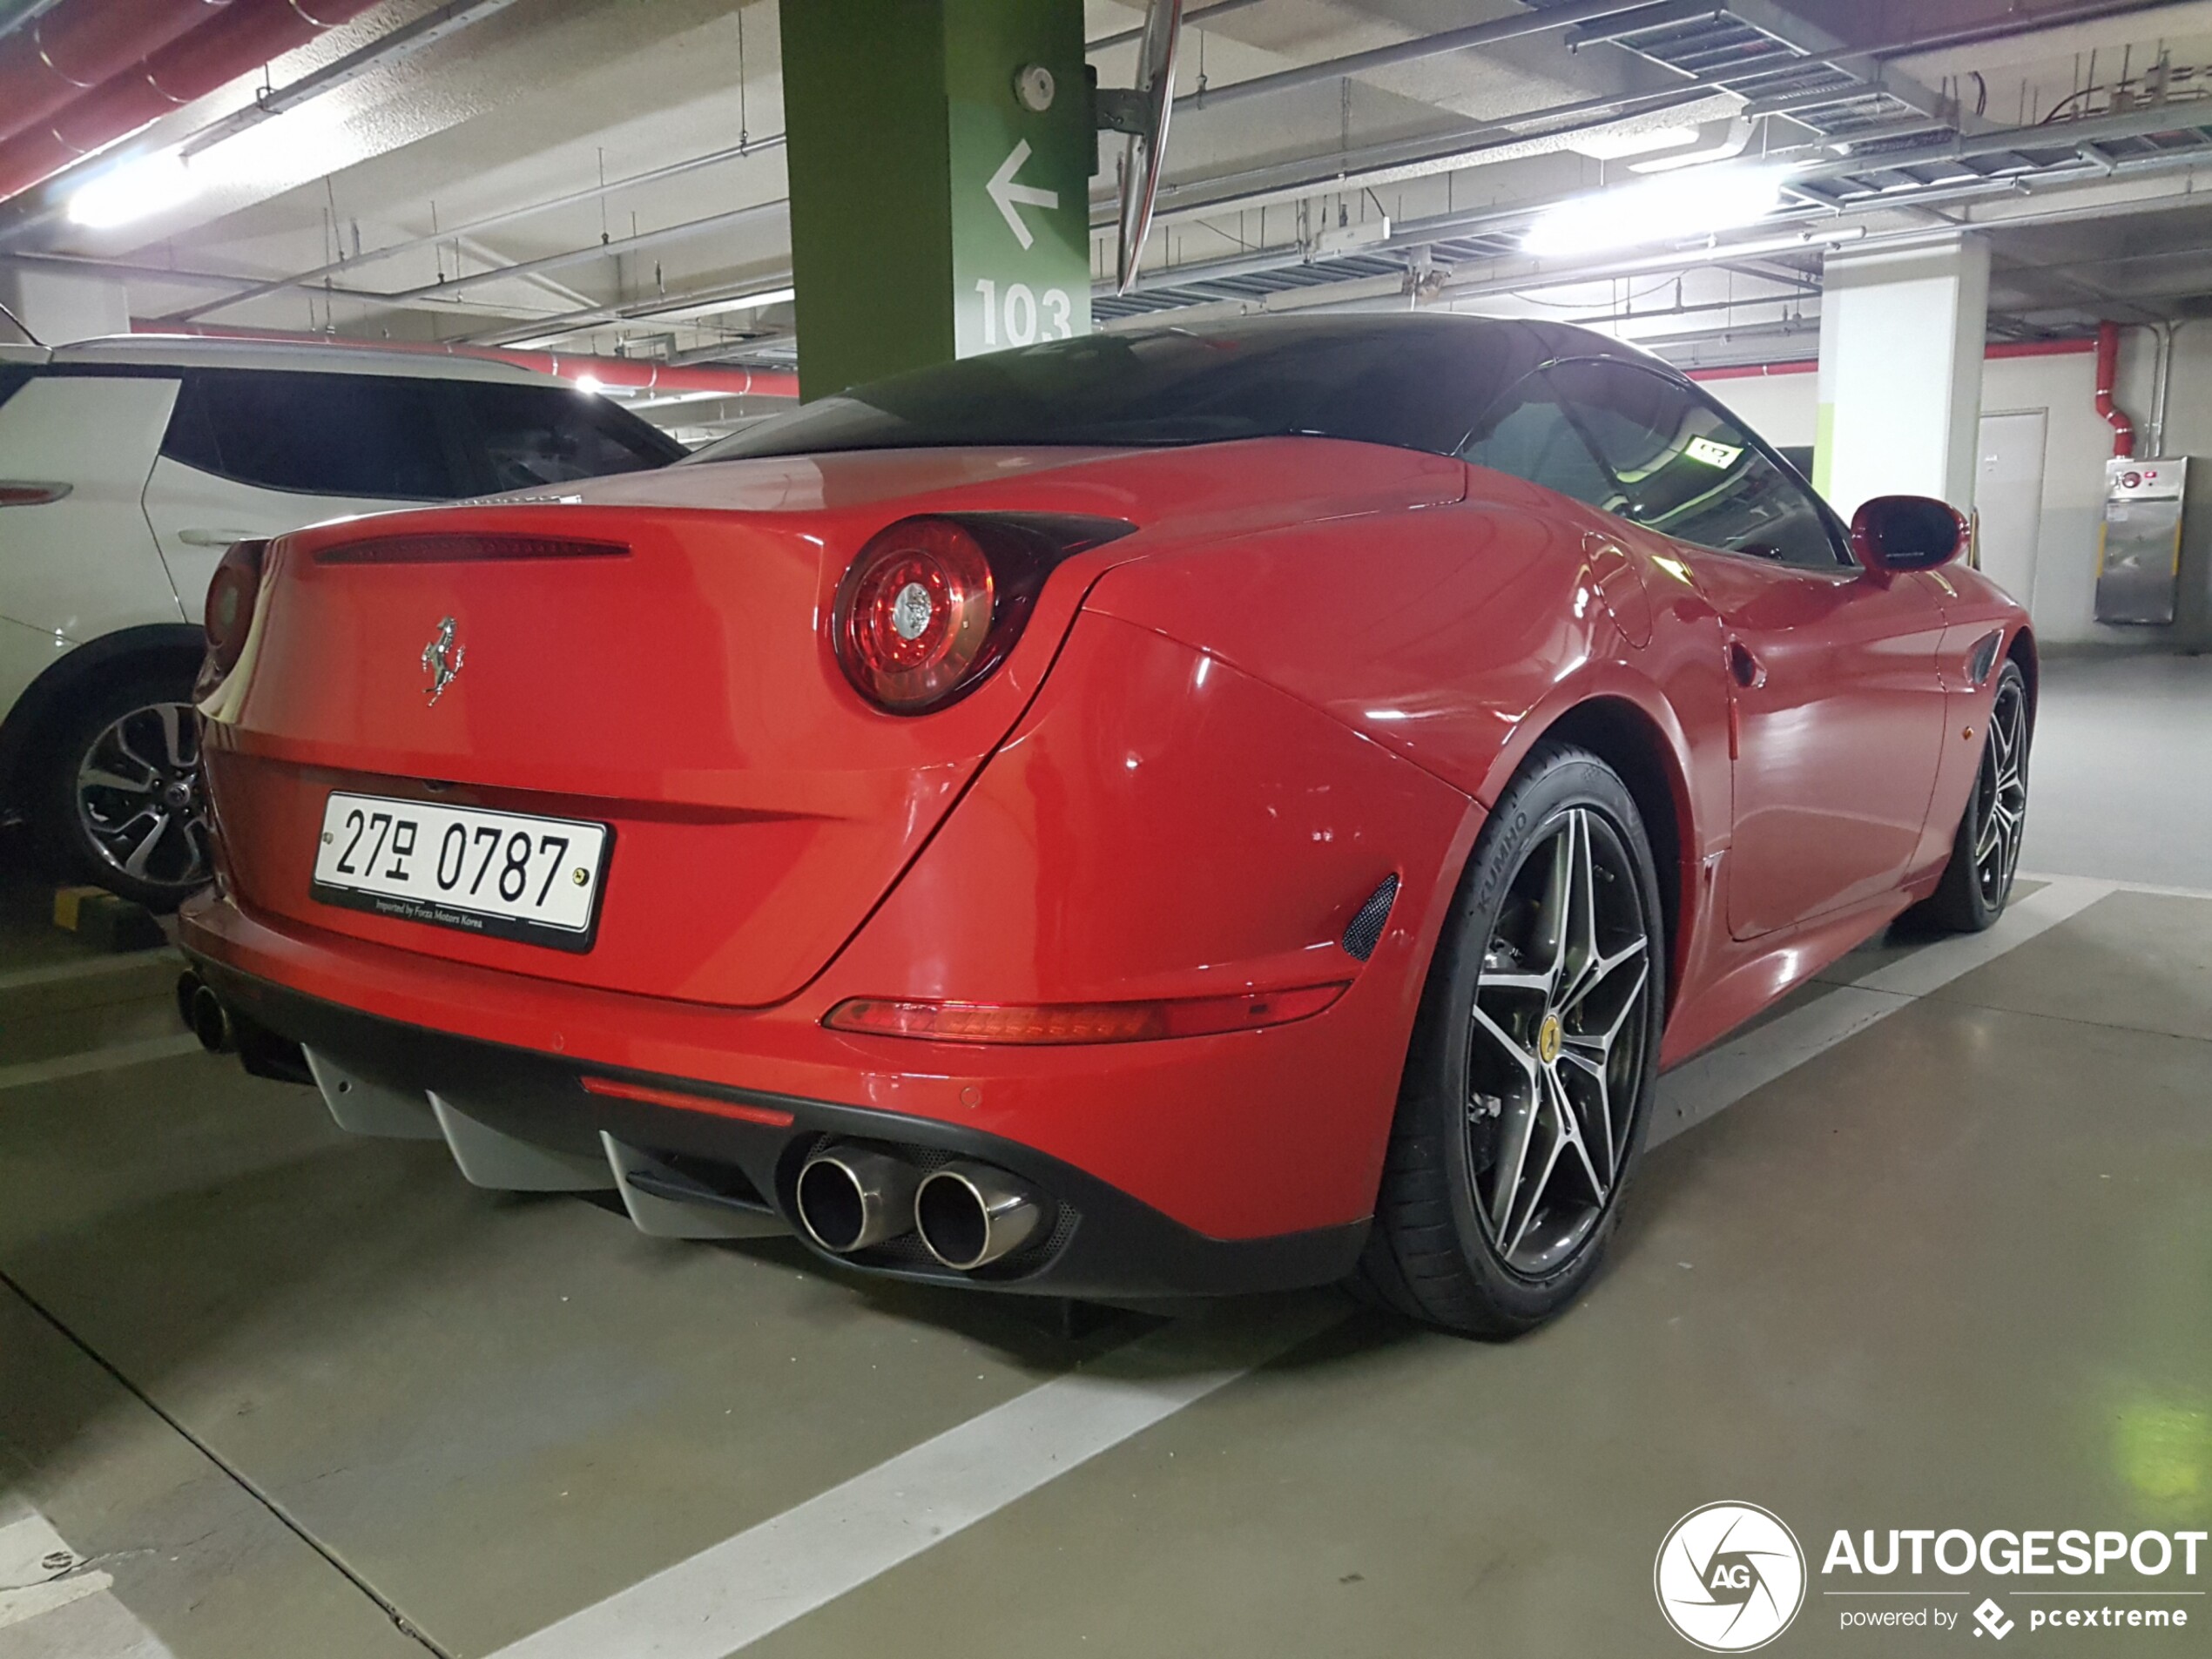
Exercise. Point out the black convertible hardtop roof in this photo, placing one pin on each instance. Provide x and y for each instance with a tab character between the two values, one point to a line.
1418	381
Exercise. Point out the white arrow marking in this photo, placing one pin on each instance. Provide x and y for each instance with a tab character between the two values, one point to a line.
1005	193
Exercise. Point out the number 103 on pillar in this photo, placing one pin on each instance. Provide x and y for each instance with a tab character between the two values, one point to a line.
1019	315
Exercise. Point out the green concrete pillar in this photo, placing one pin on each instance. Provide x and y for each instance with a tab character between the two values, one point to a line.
940	184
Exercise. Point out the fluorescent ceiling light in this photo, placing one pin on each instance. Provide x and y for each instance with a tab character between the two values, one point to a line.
1618	145
685	313
1695	202
133	191
590	383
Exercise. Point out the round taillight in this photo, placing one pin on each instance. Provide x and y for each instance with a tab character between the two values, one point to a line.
230	595
914	612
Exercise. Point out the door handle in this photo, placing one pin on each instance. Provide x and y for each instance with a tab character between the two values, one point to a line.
1743	668
213	538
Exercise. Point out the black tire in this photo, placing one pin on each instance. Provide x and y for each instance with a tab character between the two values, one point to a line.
90	832
1984	854
1439	1251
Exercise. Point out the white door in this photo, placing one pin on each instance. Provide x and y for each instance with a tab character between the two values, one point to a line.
2008	498
196	516
256	453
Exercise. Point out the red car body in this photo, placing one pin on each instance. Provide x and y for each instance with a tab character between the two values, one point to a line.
1311	668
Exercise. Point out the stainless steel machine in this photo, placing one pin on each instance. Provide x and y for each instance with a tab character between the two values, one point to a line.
2138	547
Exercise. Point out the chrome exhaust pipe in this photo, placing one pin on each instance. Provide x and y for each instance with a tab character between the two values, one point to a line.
188	984
969	1215
210	1021
851	1197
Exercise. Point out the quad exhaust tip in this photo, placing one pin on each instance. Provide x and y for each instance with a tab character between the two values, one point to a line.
851	1197
969	1215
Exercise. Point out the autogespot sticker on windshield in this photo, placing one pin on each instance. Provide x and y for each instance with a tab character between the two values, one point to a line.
1731	1577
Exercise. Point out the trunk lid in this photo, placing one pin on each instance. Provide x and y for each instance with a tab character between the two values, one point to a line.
681	690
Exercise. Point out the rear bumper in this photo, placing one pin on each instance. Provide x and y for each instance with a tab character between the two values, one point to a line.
1103	1244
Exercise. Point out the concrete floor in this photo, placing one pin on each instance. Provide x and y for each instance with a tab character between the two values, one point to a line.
1942	1261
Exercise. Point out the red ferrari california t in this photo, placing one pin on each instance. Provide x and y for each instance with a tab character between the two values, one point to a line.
1214	808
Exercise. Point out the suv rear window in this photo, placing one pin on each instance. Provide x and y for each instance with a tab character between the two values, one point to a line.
316	435
528	435
401	438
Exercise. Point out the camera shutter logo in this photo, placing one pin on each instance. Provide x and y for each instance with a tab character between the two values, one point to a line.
1730	1577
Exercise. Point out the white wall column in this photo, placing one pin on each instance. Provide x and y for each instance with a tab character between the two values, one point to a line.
1901	339
59	307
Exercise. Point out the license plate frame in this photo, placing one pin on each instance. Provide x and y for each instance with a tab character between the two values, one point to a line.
590	847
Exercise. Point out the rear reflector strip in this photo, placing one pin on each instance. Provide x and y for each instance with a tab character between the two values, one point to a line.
1069	1022
459	548
18	495
651	1097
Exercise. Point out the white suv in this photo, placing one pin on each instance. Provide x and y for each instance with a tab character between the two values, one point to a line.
128	465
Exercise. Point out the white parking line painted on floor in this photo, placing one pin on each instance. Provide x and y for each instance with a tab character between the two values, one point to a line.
42	1580
89	968
1721	1077
92	1060
738	1591
2129	887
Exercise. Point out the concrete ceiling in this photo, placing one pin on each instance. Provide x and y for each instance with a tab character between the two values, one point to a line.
388	206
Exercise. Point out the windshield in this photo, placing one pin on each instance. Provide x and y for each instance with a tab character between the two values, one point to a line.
1413	382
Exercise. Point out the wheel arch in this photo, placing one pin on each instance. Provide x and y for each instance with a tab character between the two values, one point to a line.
23	733
2022	651
1621	733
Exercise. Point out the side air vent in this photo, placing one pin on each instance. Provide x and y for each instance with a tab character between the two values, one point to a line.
1982	662
1366	929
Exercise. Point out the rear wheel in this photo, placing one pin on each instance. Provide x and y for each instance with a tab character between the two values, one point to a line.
121	804
1533	1064
1984	854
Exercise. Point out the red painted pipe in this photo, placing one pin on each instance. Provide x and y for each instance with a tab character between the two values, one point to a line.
1806	365
2123	429
47	67
243	38
620	374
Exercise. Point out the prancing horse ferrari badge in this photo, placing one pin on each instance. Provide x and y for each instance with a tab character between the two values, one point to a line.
441	659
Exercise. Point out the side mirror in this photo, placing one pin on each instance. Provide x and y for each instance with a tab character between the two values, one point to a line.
1893	533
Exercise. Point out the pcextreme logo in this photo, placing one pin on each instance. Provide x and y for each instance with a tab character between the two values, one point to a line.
1730	1577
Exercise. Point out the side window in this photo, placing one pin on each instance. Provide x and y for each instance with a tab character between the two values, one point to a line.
316	435
1685	469
528	436
1527	434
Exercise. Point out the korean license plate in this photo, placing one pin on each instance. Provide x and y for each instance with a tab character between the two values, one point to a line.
504	874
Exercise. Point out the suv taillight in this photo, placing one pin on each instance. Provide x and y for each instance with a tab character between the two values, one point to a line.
933	604
231	597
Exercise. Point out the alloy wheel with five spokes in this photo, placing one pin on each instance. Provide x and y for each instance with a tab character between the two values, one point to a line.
2001	794
1534	1062
1557	1045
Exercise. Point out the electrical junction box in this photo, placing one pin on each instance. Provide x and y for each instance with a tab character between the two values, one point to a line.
2139	544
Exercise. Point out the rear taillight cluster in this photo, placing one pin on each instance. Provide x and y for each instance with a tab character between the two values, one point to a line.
933	604
232	595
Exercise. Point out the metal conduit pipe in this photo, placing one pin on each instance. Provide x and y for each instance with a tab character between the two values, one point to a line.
1409	51
72	47
489	221
1191	20
243	38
